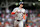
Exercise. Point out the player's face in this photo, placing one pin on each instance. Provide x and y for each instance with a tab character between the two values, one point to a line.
21	5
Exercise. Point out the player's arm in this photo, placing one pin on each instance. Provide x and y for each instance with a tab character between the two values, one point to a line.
24	15
13	12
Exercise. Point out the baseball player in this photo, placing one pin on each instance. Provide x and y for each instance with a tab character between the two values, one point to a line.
19	15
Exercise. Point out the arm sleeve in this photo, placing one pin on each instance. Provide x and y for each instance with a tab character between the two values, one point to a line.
13	12
24	11
24	14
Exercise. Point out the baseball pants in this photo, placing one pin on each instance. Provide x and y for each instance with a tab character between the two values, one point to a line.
20	23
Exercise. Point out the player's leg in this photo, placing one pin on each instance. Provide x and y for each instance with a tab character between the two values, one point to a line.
15	23
21	23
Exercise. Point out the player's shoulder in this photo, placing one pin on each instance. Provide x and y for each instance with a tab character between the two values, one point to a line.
23	8
16	8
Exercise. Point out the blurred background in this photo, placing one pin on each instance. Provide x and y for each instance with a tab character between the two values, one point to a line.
32	12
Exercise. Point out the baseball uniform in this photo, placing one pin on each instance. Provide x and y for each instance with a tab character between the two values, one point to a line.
19	16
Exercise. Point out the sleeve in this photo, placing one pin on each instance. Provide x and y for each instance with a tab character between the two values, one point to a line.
24	11
24	14
13	12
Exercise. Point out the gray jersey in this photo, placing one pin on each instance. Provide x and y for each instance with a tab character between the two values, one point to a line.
19	13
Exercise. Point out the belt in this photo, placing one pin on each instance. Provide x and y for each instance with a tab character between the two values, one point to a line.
18	20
